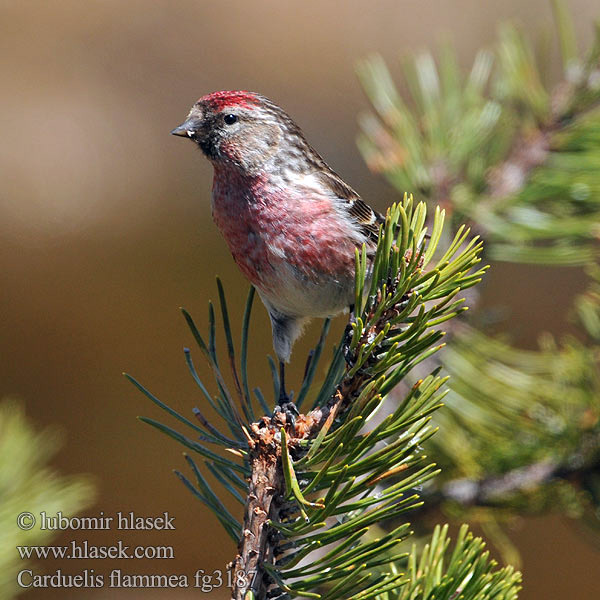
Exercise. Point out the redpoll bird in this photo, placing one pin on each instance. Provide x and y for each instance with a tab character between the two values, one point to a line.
290	222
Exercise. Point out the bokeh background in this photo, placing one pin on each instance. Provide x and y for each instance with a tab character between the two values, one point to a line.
106	230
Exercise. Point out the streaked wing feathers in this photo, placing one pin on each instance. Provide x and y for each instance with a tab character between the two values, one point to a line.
368	219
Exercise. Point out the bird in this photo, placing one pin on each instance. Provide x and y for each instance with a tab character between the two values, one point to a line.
290	221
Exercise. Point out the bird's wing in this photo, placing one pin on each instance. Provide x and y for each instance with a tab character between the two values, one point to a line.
361	213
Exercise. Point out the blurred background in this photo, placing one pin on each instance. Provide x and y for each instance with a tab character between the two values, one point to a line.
106	230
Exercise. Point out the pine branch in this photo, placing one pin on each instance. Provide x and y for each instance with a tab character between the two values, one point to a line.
467	575
502	490
517	162
28	480
313	493
273	441
523	431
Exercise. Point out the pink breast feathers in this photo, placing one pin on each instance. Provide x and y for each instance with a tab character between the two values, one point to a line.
272	235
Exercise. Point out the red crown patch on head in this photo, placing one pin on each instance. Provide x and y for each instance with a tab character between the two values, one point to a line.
220	100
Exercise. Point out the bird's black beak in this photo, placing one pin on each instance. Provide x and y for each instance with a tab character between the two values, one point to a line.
186	129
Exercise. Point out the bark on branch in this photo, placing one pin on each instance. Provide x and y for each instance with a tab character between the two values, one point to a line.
266	494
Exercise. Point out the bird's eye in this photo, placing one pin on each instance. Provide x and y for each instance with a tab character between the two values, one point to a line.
230	119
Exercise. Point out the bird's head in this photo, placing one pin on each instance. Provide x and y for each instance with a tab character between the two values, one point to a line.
238	128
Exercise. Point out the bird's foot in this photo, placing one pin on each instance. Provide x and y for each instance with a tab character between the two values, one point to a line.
285	406
287	409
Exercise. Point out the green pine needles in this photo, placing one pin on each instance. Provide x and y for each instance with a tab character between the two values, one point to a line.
326	495
504	150
517	157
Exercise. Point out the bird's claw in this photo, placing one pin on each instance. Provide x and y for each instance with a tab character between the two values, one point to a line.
288	410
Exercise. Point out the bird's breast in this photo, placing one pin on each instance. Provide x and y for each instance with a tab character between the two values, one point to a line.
296	249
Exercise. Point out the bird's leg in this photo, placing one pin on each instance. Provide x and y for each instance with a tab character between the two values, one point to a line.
283	397
284	404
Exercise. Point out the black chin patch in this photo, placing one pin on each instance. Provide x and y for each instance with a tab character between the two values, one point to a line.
207	147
